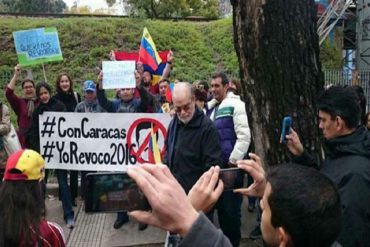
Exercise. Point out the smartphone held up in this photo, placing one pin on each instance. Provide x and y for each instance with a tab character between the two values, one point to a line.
113	192
232	178
285	130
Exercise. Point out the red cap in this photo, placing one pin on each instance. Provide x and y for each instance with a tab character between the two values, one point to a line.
24	165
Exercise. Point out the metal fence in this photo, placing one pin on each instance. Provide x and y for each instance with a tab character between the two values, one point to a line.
350	77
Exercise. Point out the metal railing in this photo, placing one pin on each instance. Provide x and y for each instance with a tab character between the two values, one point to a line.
349	77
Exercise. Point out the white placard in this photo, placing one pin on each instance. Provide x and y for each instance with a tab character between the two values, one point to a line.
100	141
118	74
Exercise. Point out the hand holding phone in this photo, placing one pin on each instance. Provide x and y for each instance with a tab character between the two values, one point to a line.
285	130
254	168
232	178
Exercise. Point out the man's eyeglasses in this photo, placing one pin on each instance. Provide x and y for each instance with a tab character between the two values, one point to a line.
186	107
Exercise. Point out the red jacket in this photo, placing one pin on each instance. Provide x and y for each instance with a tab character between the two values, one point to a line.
51	235
19	106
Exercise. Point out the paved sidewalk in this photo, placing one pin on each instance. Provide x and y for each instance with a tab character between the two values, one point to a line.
97	229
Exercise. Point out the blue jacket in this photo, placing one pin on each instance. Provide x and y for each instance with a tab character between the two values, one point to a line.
118	105
231	121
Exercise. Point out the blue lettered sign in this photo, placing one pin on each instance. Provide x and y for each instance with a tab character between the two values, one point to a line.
37	46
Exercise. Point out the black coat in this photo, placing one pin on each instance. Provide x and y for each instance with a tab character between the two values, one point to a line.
33	137
192	148
70	100
347	164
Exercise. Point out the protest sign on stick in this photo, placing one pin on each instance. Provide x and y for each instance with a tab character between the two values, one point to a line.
118	74
37	46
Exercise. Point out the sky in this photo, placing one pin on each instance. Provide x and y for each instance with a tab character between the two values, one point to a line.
93	4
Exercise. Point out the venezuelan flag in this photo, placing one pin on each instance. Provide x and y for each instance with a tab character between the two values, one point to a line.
155	154
148	52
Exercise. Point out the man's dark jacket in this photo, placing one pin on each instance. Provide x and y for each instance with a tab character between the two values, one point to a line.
347	164
192	148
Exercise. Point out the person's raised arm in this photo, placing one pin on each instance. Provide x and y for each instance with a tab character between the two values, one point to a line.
300	154
112	55
100	80
294	143
17	72
167	68
102	98
144	99
13	99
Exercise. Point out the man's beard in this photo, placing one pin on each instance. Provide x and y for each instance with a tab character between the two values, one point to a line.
184	121
146	84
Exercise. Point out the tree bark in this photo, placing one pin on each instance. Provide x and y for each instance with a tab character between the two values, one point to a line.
278	51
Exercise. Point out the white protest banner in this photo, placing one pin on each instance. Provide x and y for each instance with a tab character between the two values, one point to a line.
37	46
118	74
100	141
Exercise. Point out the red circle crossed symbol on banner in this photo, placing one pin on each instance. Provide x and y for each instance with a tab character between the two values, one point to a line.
158	129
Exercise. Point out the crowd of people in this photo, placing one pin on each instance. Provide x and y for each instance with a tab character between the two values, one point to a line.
308	202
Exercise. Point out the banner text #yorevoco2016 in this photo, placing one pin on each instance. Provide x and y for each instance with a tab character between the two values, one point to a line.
100	141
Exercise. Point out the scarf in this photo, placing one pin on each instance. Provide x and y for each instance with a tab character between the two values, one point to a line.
30	106
90	106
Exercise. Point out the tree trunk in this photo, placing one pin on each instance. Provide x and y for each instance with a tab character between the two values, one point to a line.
278	52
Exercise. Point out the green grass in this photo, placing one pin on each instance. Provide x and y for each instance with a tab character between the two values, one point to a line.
85	42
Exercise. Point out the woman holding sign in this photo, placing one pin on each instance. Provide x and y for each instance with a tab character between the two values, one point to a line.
70	98
22	106
43	92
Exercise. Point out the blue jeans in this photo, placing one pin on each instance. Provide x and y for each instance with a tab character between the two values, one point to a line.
65	194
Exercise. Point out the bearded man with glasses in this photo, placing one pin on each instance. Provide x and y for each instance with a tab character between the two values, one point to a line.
192	143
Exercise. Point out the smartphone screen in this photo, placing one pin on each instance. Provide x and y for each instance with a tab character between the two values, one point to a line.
232	178
113	192
285	130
